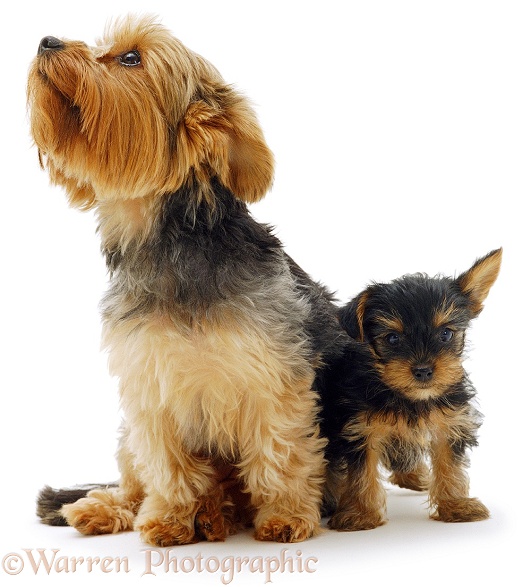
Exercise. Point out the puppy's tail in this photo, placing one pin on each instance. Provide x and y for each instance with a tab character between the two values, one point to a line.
50	501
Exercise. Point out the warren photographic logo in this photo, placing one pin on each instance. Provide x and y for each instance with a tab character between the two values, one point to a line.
45	561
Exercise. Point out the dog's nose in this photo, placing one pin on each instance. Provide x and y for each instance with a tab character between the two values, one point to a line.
422	373
50	44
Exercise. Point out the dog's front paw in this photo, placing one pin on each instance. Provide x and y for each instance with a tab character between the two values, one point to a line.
466	509
283	529
167	531
213	520
353	521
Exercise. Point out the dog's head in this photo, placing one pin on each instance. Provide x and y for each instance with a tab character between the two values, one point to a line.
140	115
416	325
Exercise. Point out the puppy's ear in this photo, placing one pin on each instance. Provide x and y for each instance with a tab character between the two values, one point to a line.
352	314
477	281
220	134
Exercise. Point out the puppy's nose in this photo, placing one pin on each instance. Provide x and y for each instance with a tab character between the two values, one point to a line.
50	44
422	373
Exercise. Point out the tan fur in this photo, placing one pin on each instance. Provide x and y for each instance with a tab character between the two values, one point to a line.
229	384
478	280
425	411
227	509
225	394
398	375
390	322
443	316
218	134
449	488
120	222
362	502
211	390
418	479
360	312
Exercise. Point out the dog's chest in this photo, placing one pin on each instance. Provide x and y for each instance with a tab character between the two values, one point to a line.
381	431
389	432
211	380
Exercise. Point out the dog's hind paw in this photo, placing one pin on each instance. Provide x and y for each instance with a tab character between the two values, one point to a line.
354	521
414	480
101	512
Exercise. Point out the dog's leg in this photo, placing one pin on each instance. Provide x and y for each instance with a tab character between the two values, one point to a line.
214	519
418	479
362	503
449	488
332	489
408	466
109	510
174	481
282	466
226	509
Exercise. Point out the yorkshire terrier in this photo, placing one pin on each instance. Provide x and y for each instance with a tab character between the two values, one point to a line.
214	333
400	397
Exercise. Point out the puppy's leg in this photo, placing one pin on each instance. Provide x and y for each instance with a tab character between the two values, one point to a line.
362	503
109	510
418	479
283	466
408	466
449	488
333	488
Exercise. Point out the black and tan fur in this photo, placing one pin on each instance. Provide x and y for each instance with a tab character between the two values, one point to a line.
213	332
401	399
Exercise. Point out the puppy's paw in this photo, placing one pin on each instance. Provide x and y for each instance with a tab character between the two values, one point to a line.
353	521
417	481
466	509
283	529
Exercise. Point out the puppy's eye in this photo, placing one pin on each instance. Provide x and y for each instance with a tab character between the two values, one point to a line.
446	335
130	59
393	338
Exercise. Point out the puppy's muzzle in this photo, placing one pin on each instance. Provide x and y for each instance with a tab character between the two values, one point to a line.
50	44
422	373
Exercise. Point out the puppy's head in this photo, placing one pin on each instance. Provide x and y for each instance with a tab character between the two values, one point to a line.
416	326
139	115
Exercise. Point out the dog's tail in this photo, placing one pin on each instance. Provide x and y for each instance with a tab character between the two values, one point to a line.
50	501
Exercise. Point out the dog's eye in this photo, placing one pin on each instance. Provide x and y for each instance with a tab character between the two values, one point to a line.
130	59
446	335
393	338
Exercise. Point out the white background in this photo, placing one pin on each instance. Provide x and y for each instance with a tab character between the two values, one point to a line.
398	133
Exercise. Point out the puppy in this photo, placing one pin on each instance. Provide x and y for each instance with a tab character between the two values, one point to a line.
213	332
400	396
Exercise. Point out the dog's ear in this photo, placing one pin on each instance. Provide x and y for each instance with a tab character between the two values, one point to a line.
477	281
220	134
352	314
